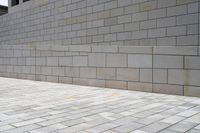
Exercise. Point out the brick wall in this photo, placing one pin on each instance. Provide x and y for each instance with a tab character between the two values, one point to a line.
143	45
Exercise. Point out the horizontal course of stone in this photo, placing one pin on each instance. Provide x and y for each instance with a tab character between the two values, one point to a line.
144	45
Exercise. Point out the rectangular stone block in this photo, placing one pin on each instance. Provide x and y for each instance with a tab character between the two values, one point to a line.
72	72
176	31
132	26
164	61
46	71
189	40
137	86
160	75
159	13
105	49
116	60
139	34
89	82
149	24
88	72
116	84
152	33
140	61
65	80
58	71
106	73
146	75
166	3
136	49
192	91
166	22
97	59
184	77
127	74
124	19
187	19
168	89
124	36
166	41
110	37
65	61
169	50
139	16
80	61
149	5
192	62
177	10
52	61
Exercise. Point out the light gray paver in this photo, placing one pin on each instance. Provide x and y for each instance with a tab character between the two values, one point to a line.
42	107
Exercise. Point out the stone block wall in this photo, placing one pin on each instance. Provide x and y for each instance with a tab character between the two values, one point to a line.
142	45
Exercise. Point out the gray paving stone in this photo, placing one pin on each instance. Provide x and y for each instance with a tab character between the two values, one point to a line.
61	108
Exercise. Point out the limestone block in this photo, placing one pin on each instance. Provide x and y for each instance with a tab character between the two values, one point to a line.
132	9
40	61
140	61
139	34
161	32
46	71
82	48
80	61
58	71
135	49
105	49
116	12
30	61
187	19
168	89
106	73
160	75
134	26
189	40
124	19
52	79
124	2
65	61
166	3
124	36
176	31
110	37
128	74
65	80
72	71
140	16
149	24
192	62
97	59
149	5
88	72
158	13
117	28
184	77
166	22
192	91
137	86
116	84
52	61
177	10
89	82
164	61
146	75
170	50
116	60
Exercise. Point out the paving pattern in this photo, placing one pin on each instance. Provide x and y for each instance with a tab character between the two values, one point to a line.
40	107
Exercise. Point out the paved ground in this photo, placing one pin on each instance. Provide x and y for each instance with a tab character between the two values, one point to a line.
39	107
